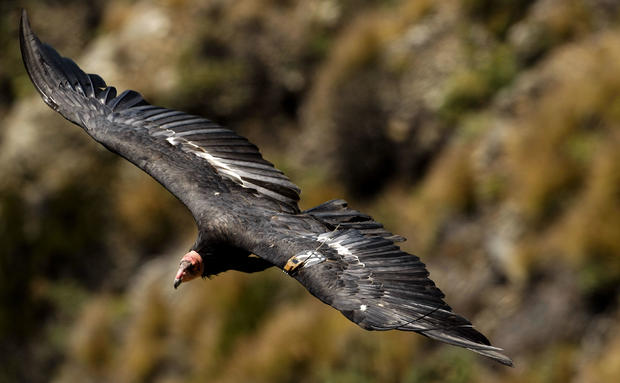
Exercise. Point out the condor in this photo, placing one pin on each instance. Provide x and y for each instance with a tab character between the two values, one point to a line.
246	209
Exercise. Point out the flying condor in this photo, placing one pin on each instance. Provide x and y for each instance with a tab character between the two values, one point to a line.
243	205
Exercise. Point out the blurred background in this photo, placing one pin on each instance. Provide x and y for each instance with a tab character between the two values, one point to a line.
486	132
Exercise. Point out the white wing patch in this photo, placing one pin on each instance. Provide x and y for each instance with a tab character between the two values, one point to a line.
335	242
200	152
219	165
231	155
339	248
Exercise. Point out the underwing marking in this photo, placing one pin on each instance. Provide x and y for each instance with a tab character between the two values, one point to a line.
336	244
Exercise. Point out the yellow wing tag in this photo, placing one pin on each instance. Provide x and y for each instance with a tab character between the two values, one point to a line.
304	259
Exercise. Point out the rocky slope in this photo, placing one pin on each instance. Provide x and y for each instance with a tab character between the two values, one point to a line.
485	132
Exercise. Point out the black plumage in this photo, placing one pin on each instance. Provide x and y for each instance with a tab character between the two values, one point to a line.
243	205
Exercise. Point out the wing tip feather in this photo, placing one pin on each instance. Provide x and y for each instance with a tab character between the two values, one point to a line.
29	46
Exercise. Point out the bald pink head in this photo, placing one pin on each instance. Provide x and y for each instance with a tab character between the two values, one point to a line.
191	266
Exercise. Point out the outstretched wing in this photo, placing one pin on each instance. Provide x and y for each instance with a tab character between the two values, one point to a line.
358	269
187	154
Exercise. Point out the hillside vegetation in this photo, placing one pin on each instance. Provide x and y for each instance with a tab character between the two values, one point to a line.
486	132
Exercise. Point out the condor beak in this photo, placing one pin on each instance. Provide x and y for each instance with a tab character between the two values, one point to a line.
178	279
